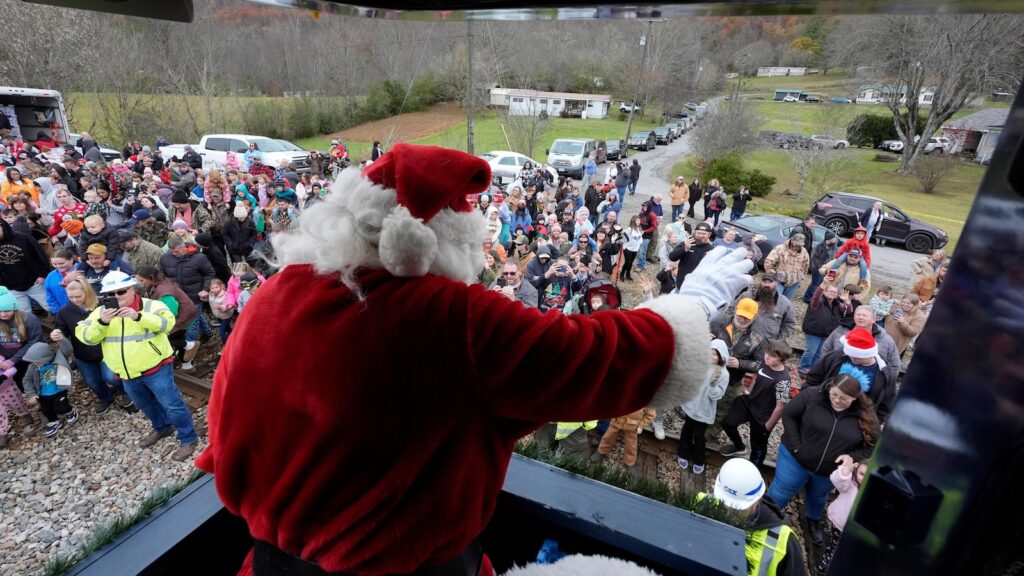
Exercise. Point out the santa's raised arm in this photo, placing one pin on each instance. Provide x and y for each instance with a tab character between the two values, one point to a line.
365	411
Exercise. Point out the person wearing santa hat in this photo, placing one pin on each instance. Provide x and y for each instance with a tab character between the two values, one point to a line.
859	358
383	446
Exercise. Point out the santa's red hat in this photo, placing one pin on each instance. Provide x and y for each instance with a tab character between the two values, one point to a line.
859	343
407	213
425	181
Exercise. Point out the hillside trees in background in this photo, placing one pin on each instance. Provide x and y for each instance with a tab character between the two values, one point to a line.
959	57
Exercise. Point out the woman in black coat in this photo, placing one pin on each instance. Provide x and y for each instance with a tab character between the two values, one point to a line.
696	193
239	234
821	424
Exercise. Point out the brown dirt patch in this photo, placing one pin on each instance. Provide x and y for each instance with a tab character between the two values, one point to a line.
409	126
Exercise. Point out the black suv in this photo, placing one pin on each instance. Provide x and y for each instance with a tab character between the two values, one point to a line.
839	212
616	150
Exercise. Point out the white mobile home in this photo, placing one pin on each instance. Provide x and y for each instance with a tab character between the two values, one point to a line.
533	102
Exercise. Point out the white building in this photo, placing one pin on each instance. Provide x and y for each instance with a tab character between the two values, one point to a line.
771	71
881	93
533	102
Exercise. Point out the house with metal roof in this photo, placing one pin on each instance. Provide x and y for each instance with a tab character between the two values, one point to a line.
976	133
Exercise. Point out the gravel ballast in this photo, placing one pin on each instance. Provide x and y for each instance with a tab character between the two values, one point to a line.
55	492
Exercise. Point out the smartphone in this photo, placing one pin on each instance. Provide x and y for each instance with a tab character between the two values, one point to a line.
502	282
831	275
110	302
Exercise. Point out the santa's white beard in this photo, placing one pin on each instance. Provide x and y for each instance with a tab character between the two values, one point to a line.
349	228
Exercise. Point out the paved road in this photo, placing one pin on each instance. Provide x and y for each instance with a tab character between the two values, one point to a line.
889	265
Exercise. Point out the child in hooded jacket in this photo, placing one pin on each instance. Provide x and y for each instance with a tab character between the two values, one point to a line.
699	413
47	382
858	242
630	426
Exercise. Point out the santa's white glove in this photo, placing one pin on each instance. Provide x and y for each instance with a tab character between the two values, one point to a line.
720	276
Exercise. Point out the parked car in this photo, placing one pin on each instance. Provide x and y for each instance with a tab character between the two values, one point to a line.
662	135
215	147
568	155
673	131
830	142
776	228
937	145
892	145
812	98
617	149
106	152
629	106
692	106
839	212
791	98
787	140
840	100
506	165
645	140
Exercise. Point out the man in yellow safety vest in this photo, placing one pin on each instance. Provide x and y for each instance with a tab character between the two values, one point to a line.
772	548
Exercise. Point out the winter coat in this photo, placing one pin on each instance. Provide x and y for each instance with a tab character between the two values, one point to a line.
192	272
822	253
702	407
67	318
839	509
145	254
816	434
882	392
536	269
777	325
32	382
906	328
845	274
134	346
13	347
924	267
107	236
680	194
239	237
739	201
688	259
886	348
926	287
56	295
747	347
822	315
863	245
790	267
696	192
634	172
22	259
180	305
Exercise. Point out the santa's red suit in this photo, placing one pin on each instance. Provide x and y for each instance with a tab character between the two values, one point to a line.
365	410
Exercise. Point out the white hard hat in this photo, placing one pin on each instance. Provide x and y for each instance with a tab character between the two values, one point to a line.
334	142
739	484
116	280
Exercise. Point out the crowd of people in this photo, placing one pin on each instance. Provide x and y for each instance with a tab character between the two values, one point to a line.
138	260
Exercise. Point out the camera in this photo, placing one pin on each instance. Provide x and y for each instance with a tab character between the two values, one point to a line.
110	302
502	282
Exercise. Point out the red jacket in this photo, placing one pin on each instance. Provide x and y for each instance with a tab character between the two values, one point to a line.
863	245
374	436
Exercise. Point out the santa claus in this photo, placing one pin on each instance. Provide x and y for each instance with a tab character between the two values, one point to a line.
365	411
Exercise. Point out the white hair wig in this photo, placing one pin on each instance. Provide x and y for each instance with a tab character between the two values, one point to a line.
360	224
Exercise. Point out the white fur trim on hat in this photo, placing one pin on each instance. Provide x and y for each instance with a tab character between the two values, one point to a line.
361	225
854	352
690	363
579	565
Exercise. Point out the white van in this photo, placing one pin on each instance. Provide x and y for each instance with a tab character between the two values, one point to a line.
34	111
567	155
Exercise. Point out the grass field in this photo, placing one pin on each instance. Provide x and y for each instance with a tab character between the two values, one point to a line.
488	135
818	118
832	84
947	208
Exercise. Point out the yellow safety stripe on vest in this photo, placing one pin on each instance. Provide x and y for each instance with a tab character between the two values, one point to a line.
564	429
147	335
766	549
146	307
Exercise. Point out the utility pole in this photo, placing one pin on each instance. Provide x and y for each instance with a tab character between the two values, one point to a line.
469	86
644	42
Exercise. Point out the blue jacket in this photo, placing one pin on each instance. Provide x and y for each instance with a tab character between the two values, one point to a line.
521	219
56	295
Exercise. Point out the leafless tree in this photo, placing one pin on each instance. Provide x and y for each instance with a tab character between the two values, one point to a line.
959	57
933	169
730	126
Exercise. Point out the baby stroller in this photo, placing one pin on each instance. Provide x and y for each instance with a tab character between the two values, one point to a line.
601	288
